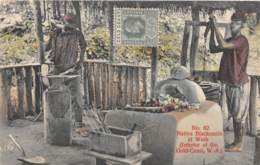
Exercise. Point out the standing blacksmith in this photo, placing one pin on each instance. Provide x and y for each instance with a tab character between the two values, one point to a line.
233	74
63	47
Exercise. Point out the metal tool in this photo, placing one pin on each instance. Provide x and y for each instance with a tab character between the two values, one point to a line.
36	160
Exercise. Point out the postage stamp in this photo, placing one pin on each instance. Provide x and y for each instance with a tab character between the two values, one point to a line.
136	27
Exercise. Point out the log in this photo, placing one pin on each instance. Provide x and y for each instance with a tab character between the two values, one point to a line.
257	150
20	92
252	105
3	100
28	87
57	118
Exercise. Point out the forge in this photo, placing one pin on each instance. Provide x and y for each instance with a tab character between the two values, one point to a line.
177	138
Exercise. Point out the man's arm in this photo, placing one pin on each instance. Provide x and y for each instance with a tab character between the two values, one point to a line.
82	45
212	44
221	42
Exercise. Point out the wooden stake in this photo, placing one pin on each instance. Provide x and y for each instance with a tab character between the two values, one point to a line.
252	105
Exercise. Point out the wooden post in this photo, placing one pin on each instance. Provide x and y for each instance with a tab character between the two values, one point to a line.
195	38
37	90
138	70
85	86
3	100
57	117
20	92
257	150
120	87
252	105
103	86
97	82
38	26
112	50
154	68
144	75
126	84
185	45
28	87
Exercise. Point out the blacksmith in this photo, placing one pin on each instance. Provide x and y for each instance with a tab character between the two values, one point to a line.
66	48
233	73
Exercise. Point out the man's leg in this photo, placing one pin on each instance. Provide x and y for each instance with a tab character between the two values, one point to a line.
239	104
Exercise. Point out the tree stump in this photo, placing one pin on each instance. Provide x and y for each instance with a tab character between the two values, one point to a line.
57	117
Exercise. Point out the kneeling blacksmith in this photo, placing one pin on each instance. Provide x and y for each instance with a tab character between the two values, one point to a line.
63	48
233	74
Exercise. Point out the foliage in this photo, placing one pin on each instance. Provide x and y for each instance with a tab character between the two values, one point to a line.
16	49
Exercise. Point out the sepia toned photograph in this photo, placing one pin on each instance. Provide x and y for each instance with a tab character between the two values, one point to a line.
129	82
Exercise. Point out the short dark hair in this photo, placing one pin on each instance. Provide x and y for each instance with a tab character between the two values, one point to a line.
238	16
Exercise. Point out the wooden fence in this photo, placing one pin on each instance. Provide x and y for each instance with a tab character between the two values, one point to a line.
20	90
112	86
106	86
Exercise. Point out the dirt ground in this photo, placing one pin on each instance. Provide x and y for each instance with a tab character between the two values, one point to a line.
30	135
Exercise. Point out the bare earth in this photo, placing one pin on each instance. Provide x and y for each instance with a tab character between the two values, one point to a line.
30	136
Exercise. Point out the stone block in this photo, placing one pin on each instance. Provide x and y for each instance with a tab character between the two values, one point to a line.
191	137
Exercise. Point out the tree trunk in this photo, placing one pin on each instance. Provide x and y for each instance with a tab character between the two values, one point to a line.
38	27
44	10
54	13
65	7
195	38
58	9
77	9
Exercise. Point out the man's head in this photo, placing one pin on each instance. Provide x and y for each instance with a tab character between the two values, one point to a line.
237	20
70	21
